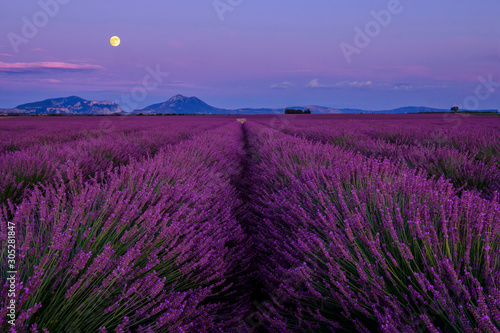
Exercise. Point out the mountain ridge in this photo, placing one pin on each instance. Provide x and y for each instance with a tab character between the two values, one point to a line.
68	106
179	104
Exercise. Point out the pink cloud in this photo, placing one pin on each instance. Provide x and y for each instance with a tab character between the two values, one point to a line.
50	81
30	67
5	54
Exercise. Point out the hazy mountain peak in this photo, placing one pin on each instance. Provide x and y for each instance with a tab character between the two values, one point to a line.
182	104
72	105
178	97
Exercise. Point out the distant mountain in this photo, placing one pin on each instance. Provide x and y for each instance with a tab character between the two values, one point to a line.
257	111
415	109
182	104
406	109
192	105
316	109
72	105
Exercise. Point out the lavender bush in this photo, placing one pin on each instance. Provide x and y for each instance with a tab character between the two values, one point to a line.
147	249
361	244
467	155
284	224
39	151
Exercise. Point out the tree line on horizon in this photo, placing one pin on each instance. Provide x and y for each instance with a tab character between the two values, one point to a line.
297	111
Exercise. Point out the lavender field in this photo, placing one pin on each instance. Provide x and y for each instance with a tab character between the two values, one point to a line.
299	223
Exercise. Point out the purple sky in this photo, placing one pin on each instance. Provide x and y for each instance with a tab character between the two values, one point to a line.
262	54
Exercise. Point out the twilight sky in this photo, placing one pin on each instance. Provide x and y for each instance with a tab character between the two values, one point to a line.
242	53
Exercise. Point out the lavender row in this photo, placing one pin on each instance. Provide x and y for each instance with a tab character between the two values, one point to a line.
153	248
468	155
68	149
19	133
358	244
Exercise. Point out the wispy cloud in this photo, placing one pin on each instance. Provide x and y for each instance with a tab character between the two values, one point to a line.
50	81
316	84
40	67
282	85
354	84
376	85
5	55
419	86
403	86
406	86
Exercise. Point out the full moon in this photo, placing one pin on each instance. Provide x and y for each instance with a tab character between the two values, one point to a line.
115	41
